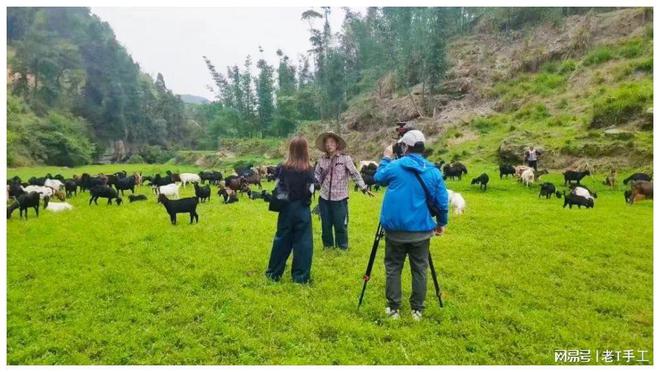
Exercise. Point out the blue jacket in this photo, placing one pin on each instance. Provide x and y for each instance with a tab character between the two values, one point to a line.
404	205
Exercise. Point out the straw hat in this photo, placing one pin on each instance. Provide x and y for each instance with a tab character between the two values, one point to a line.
320	141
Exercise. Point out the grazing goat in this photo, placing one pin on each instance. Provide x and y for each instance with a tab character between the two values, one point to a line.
104	192
454	170
229	196
202	192
71	188
572	199
28	200
641	189
54	184
482	180
126	183
185	205
547	189
45	191
187	178
583	191
610	180
506	170
573	176
637	177
134	198
527	177
169	190
212	177
456	202
367	172
520	169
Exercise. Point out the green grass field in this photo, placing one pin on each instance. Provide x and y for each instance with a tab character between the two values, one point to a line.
521	278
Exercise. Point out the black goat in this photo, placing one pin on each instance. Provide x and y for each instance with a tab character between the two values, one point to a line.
637	177
126	183
15	189
210	176
202	192
570	176
184	205
25	201
104	192
134	198
454	170
71	188
259	195
482	180
506	170
229	196
547	189
572	199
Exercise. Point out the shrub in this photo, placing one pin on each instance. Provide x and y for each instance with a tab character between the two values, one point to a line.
621	104
598	56
135	159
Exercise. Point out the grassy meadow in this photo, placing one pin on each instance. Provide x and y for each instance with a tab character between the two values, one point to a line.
521	277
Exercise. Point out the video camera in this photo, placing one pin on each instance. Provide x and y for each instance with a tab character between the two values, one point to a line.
402	128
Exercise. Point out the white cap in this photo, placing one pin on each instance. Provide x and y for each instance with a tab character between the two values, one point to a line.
412	137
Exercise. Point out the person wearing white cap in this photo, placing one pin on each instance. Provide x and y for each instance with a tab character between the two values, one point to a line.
415	188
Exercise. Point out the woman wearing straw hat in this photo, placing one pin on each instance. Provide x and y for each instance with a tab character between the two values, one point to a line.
332	172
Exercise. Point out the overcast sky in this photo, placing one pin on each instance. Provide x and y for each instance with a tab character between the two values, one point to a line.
172	41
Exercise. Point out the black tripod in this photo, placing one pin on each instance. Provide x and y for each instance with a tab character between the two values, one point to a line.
380	232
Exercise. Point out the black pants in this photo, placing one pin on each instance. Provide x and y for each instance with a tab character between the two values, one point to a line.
395	256
334	215
532	163
294	233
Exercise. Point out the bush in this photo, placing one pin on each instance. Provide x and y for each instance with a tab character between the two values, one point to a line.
598	56
621	104
135	159
156	154
645	65
567	66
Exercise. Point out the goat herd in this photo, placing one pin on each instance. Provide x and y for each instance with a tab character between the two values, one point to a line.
30	194
641	184
24	195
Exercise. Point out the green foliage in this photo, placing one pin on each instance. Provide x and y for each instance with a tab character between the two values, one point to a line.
598	56
156	154
66	61
135	159
622	103
57	139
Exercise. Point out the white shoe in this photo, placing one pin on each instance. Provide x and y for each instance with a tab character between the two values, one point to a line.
392	313
417	315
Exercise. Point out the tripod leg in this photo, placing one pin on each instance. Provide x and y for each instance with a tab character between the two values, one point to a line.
438	291
367	275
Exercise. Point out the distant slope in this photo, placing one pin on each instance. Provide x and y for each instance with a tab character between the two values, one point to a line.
581	90
192	99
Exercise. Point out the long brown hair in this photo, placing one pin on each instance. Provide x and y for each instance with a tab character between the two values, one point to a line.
298	158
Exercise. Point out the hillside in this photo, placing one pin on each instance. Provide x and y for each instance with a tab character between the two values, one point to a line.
192	99
581	90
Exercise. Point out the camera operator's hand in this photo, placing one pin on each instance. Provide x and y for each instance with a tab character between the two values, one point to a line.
439	230
388	153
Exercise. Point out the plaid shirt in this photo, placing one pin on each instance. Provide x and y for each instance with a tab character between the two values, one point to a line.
332	174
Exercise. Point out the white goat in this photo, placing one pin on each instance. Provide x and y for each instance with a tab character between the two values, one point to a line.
54	184
59	207
581	191
527	177
456	202
42	190
189	177
171	190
